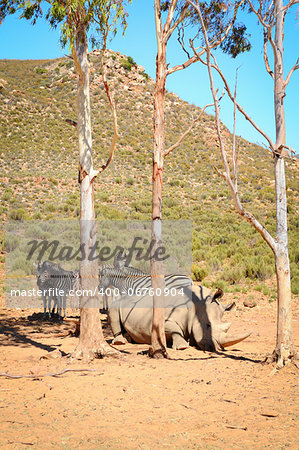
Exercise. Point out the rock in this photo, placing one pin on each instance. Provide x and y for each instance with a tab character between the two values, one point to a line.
249	304
3	84
56	354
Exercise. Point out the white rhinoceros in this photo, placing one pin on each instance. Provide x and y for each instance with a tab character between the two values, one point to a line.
193	317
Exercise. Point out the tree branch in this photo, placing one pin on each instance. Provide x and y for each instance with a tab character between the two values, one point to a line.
213	44
288	152
178	142
267	26
295	67
182	66
242	111
258	14
168	22
55	374
235	174
267	65
226	175
176	23
112	107
290	4
73	47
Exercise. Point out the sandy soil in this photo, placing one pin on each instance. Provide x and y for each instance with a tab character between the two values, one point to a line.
192	400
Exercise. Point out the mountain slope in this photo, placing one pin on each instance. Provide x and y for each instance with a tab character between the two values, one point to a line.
39	155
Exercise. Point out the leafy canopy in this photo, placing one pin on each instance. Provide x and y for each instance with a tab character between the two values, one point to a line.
217	15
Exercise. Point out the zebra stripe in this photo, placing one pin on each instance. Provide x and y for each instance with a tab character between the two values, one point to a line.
131	280
51	276
47	294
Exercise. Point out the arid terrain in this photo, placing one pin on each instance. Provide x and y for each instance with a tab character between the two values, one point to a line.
192	400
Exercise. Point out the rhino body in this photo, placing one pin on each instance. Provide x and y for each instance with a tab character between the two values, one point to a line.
193	317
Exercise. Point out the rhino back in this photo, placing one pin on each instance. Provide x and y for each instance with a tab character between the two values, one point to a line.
136	313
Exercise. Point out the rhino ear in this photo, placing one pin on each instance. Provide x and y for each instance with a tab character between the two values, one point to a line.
218	294
229	306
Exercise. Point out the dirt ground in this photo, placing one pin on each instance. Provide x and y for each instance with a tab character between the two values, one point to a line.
192	400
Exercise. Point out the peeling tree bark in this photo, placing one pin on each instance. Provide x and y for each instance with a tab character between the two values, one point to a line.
91	340
284	350
158	340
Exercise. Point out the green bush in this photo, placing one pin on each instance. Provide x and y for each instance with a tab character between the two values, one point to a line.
40	70
20	264
125	64
198	272
7	194
130	181
17	214
233	275
131	61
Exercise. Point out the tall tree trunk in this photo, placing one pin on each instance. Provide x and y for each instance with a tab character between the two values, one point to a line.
91	341
284	343
158	340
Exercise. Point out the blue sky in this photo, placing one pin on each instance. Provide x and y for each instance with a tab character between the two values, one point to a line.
21	40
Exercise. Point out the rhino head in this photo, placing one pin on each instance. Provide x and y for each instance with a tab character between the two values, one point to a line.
205	324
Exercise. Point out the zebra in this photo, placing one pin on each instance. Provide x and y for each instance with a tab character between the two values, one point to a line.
46	289
53	279
128	279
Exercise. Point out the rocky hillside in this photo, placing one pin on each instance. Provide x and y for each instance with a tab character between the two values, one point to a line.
38	160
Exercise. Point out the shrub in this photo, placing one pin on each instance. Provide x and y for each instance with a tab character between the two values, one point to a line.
7	194
198	272
69	64
51	207
17	214
125	64
233	275
20	264
40	70
11	242
131	61
128	63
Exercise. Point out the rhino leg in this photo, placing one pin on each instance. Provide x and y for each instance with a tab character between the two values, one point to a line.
119	340
114	319
178	340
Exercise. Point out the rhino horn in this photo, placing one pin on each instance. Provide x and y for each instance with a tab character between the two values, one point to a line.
231	340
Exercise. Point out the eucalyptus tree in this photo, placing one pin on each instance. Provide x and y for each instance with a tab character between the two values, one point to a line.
271	15
172	17
78	19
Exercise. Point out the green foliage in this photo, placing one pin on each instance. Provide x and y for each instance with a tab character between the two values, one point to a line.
126	64
130	181
40	70
216	17
7	194
145	75
17	214
131	61
225	247
237	42
198	272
